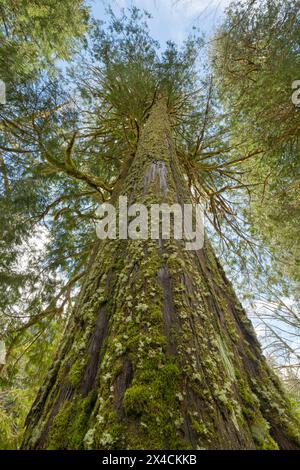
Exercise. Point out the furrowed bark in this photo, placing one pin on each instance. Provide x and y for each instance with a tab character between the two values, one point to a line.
159	353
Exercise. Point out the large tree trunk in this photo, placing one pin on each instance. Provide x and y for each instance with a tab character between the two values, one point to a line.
159	353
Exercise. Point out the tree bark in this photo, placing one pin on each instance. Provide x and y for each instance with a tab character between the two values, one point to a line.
159	353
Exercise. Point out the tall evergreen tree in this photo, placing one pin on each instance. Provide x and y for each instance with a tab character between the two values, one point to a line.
158	352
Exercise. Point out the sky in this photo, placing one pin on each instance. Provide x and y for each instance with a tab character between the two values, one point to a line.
172	19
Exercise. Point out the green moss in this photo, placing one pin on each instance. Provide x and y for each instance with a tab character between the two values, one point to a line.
75	373
36	434
58	436
136	399
168	380
248	397
108	433
233	333
202	430
224	354
261	435
79	421
156	402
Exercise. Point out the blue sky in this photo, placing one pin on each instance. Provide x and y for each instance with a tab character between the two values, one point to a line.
172	19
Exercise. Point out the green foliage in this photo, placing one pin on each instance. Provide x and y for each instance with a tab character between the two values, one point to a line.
22	379
256	61
13	411
33	34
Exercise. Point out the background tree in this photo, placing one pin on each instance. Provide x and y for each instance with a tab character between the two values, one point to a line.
256	60
33	36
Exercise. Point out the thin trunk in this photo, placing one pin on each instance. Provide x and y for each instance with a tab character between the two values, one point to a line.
3	170
159	353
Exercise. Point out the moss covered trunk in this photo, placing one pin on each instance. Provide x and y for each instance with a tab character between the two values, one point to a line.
159	353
